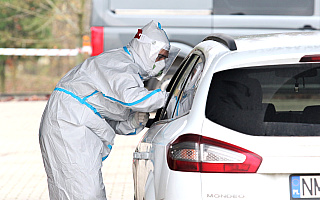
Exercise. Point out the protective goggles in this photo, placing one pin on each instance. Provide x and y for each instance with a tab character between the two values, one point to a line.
173	53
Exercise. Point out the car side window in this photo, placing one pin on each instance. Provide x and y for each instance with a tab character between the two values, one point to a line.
271	7
182	93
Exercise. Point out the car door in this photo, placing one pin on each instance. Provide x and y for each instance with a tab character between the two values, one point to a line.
181	92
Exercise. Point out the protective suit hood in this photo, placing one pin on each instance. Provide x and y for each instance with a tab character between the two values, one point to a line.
146	46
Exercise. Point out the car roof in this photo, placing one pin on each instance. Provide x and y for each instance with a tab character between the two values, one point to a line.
277	40
264	49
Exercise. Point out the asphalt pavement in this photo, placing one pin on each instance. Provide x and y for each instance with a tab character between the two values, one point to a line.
22	175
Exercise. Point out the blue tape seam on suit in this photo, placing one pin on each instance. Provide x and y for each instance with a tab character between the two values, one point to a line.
159	26
177	108
105	157
82	101
136	102
133	133
111	98
126	50
110	147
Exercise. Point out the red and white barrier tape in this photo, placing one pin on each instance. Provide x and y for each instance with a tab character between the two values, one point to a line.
39	52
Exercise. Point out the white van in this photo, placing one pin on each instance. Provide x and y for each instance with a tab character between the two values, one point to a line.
187	22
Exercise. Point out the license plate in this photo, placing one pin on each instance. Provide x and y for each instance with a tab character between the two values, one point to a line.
305	186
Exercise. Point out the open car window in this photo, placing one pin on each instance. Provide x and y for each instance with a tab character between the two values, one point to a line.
281	100
184	87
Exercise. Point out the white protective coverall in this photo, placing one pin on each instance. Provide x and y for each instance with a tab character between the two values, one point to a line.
91	103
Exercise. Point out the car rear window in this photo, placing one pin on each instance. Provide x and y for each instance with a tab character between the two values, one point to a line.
282	100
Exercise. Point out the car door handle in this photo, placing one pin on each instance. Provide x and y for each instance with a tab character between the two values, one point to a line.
307	27
141	155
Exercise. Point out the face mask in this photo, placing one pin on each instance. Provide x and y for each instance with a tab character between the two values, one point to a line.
157	68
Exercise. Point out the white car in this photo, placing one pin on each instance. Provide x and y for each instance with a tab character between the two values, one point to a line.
242	122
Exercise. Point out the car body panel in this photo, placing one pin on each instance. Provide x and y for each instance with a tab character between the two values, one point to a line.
280	154
245	186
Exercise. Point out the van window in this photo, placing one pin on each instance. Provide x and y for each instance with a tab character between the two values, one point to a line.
279	100
163	4
262	7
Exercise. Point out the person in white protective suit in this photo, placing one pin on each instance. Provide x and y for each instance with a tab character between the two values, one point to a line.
93	102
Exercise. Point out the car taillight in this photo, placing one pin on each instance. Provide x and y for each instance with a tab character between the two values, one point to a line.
310	58
195	153
97	40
